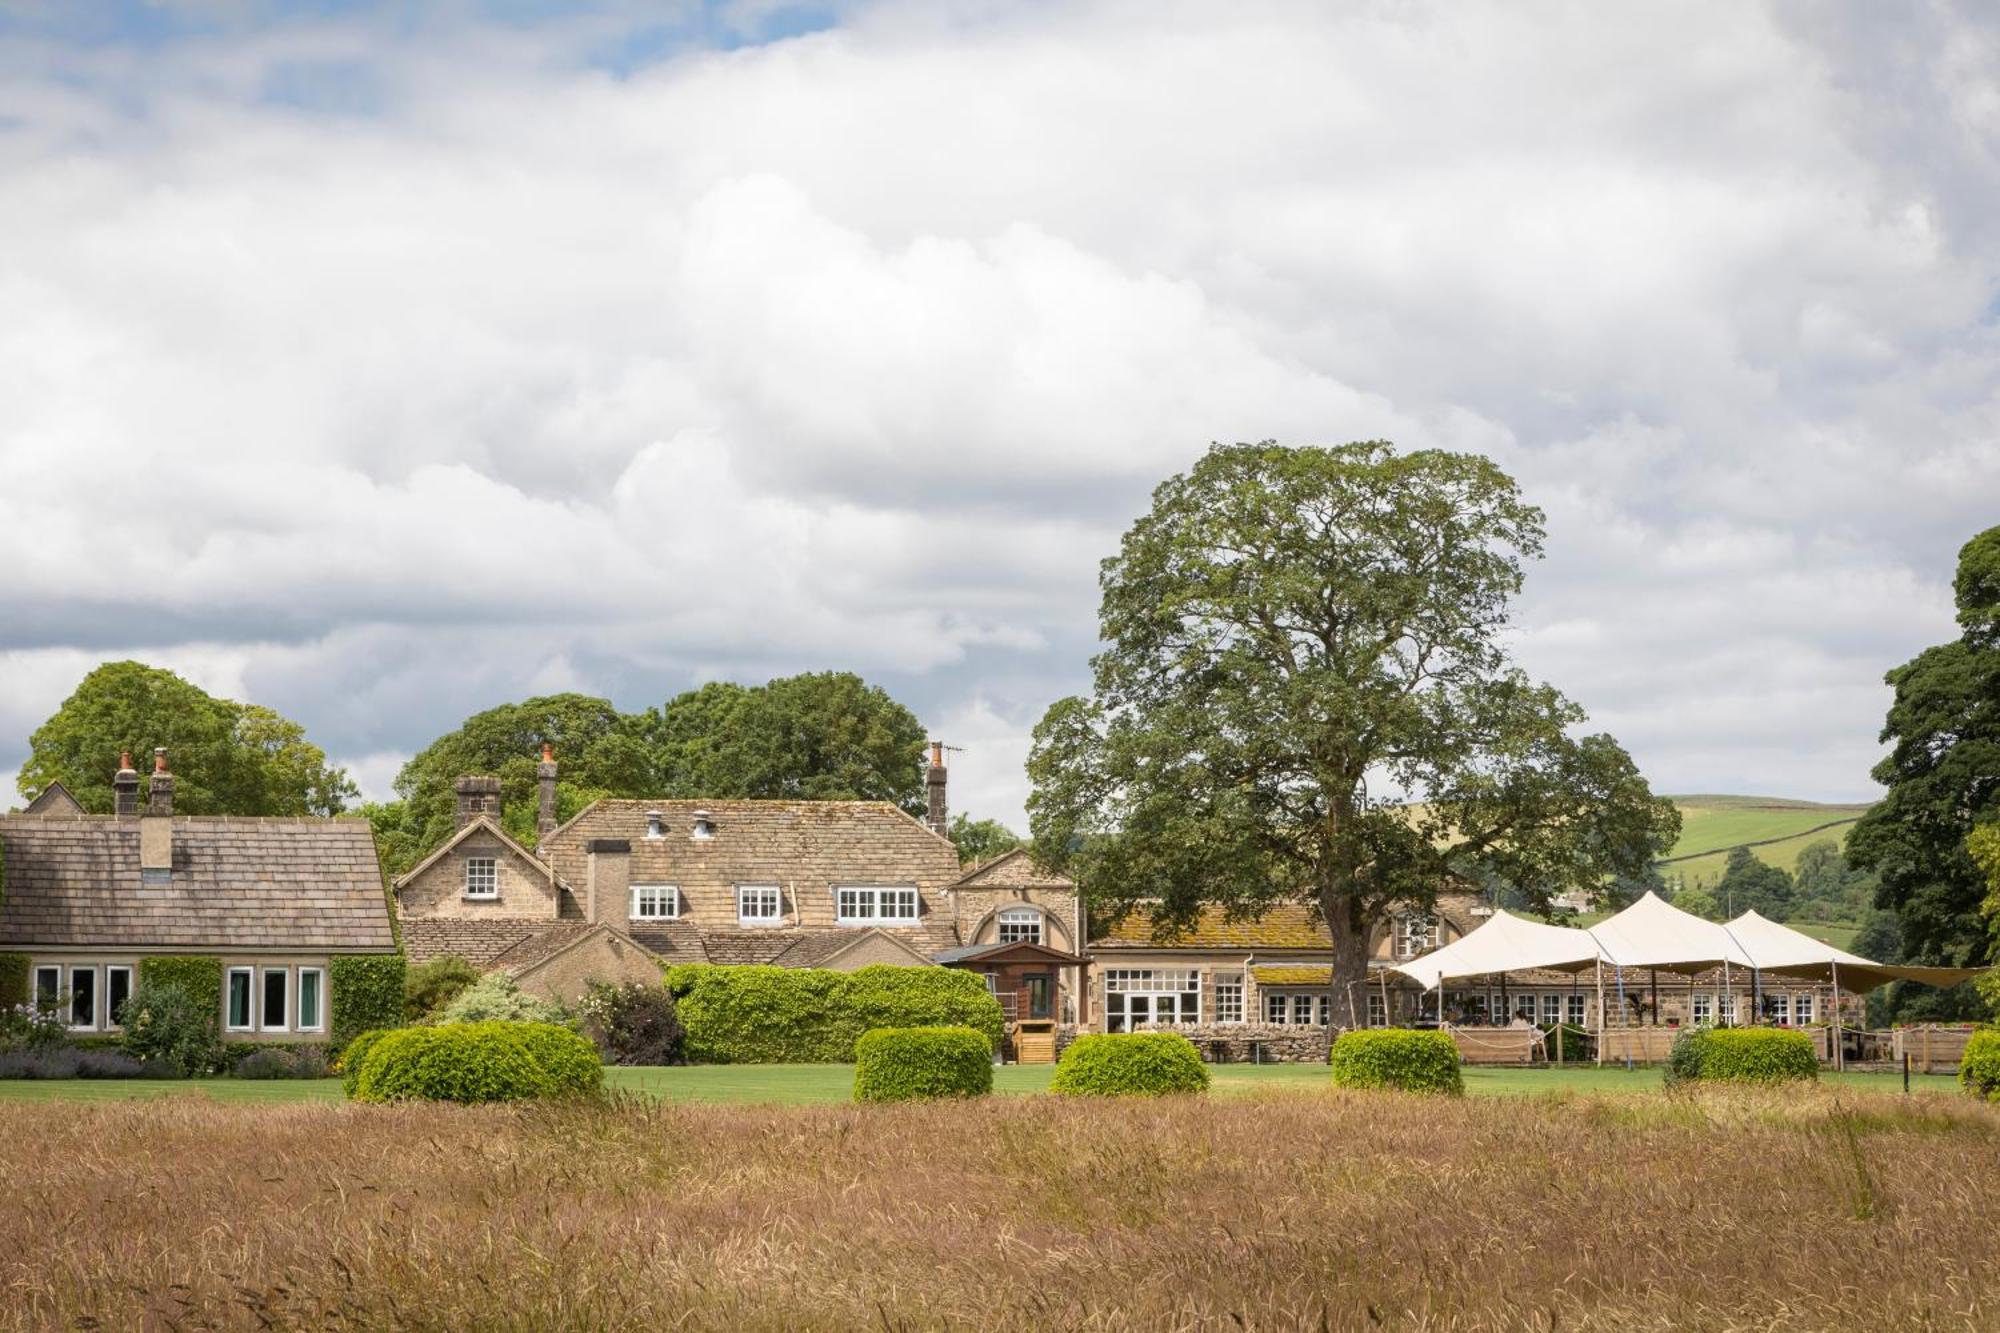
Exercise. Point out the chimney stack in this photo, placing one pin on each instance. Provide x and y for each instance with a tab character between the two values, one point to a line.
545	794
125	787
934	792
160	792
478	794
607	881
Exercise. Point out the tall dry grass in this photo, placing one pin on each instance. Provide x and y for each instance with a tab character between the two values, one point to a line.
1818	1211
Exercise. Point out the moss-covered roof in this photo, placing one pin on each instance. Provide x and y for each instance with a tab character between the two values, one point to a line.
1268	977
1284	926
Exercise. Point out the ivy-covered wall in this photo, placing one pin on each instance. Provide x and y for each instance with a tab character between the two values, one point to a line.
13	979
367	993
200	977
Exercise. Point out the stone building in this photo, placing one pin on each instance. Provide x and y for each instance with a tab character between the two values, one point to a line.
86	898
627	886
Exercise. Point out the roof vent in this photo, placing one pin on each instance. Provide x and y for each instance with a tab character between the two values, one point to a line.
704	825
653	828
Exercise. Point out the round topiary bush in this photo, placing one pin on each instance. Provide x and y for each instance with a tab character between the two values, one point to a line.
1406	1060
1741	1055
476	1062
908	1064
1130	1063
1979	1068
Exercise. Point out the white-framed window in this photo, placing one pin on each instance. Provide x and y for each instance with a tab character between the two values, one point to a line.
759	905
1575	1009
1302	1009
867	905
1229	997
655	902
312	999
117	990
48	988
1552	1008
83	997
1778	1008
273	999
1275	1008
1378	1012
482	877
1701	1009
1415	935
1802	1009
1134	997
237	1013
1020	925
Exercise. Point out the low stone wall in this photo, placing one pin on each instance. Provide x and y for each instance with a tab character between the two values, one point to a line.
1243	1043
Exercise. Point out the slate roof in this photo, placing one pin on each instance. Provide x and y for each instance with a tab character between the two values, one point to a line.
1009	870
236	883
477	942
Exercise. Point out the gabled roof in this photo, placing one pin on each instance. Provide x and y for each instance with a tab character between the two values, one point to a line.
1013	951
1016	869
1280	926
479	824
234	883
54	800
548	945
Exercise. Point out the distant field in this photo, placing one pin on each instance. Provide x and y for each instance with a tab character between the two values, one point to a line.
1712	825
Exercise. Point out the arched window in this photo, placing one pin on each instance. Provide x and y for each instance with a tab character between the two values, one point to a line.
1020	925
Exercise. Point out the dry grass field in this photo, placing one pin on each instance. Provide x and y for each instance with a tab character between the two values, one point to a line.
1279	1210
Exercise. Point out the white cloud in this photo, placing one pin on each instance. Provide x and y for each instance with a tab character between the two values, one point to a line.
385	379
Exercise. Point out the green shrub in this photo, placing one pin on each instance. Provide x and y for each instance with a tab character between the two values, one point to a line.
803	1015
1404	1059
274	1060
632	1024
1740	1055
14	980
893	997
200	977
431	986
367	992
477	1062
906	1064
1979	1069
170	1028
25	1027
1685	1055
352	1055
1145	1063
494	998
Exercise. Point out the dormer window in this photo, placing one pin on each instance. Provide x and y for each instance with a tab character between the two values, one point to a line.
482	877
703	827
1020	925
655	825
1415	935
759	905
656	902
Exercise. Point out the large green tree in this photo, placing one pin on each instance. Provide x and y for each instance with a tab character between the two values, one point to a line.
228	758
1942	775
1749	884
821	736
1298	642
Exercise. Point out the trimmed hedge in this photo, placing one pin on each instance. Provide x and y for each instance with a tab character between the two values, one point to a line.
1741	1055
352	1055
910	1064
14	984
367	992
1979	1068
1406	1060
477	1062
199	978
805	1015
1129	1064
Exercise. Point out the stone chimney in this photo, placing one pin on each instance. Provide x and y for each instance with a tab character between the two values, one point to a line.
125	787
545	794
607	884
935	814
478	794
160	790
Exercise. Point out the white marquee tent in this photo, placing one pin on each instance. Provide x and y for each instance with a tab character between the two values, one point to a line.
1787	952
1504	943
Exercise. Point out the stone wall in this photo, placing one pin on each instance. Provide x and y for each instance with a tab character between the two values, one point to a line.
1239	1043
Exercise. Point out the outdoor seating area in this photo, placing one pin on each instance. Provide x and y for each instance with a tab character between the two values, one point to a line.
1629	951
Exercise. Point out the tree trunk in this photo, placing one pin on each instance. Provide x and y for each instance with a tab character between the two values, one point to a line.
1349	977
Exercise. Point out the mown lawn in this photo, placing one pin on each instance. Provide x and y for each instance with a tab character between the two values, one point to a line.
799	1085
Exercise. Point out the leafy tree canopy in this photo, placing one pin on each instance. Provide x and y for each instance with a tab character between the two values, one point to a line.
822	736
1750	885
1301	640
981	839
1699	901
1943	776
228	758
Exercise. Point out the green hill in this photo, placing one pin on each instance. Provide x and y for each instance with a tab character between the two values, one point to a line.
1773	827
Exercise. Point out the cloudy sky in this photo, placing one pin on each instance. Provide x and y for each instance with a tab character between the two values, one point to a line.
381	369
